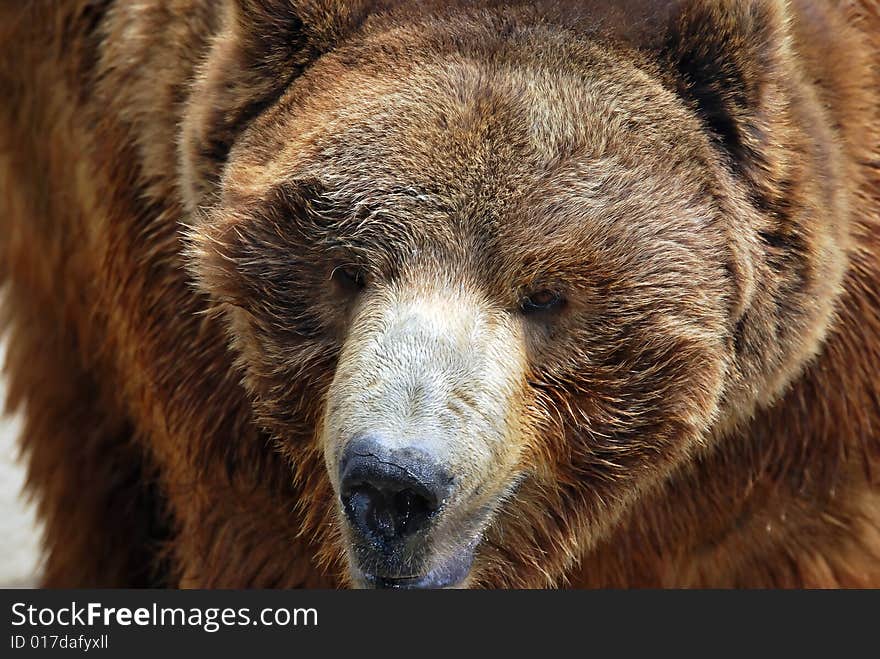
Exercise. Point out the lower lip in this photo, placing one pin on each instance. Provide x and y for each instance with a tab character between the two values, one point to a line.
450	575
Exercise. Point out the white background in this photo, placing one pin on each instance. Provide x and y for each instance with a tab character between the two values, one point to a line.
19	536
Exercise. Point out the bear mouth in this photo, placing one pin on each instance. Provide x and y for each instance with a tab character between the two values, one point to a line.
452	573
427	568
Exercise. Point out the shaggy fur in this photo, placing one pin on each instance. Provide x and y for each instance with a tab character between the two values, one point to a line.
180	181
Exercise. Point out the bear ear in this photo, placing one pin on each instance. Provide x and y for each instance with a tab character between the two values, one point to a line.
731	59
291	33
260	49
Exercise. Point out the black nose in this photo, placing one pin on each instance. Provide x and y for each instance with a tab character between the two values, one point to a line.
389	495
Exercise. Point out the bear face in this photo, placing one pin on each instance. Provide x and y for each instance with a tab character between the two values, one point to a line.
480	261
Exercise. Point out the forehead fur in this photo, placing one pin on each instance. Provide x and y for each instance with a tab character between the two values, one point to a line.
540	94
493	140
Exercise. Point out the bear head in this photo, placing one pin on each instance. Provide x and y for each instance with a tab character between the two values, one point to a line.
494	271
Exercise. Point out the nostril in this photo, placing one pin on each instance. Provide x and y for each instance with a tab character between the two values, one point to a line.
411	510
367	508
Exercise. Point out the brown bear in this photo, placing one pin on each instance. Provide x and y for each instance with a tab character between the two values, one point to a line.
447	293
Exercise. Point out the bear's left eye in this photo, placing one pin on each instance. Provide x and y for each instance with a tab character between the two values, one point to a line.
350	278
541	300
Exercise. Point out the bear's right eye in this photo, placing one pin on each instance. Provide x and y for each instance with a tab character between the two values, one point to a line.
541	300
350	278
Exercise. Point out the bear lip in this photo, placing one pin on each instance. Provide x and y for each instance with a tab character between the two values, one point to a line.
450	574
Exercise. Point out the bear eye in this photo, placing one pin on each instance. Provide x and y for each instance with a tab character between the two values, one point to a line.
350	277
541	300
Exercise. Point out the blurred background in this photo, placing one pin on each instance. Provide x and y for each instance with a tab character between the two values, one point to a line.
19	532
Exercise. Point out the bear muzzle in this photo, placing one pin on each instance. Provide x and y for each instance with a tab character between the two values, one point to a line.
420	433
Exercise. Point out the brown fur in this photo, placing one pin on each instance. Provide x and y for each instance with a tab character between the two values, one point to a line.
703	177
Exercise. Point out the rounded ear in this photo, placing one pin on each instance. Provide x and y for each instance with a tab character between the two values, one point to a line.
732	61
261	47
